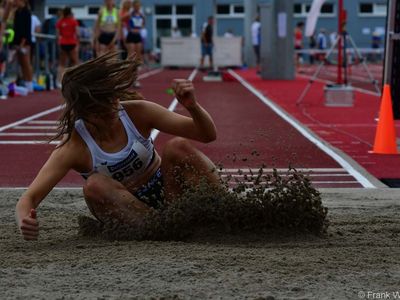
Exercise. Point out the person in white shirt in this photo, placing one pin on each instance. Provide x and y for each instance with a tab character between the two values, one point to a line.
322	43
35	28
332	38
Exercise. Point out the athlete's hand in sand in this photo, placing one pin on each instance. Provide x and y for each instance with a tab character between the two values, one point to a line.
29	226
184	92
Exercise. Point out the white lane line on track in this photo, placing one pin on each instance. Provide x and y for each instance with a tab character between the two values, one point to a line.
301	129
263	183
284	175
44	142
55	188
172	106
35	127
52	122
35	116
335	182
254	170
28	134
150	73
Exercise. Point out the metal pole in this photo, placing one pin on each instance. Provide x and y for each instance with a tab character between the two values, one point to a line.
37	58
215	33
340	35
250	12
389	41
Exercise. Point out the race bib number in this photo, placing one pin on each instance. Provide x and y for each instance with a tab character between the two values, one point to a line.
128	168
137	22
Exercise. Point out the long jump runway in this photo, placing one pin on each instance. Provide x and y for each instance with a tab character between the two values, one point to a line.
251	134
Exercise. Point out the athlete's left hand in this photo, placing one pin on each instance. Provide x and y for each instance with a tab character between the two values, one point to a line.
184	92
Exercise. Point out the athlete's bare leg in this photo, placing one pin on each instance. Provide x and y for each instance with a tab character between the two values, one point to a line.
183	163
138	48
24	60
108	200
135	49
74	56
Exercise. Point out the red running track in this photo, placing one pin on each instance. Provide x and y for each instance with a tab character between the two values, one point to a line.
249	134
350	129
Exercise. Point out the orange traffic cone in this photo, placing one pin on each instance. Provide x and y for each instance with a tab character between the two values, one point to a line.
385	138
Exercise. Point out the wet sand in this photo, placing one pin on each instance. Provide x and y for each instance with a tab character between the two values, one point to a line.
360	253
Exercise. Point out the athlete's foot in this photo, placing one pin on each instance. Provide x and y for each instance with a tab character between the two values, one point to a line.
137	84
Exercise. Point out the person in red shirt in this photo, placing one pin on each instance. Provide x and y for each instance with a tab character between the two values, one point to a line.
67	31
298	43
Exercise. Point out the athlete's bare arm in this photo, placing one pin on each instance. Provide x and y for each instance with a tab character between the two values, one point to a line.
149	115
62	159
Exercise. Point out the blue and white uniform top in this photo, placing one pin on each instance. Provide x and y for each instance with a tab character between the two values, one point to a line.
125	165
136	21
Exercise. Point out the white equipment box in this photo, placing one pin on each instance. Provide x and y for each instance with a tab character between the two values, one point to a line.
339	95
186	52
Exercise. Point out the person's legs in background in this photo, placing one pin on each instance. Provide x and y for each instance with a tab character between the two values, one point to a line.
24	60
61	65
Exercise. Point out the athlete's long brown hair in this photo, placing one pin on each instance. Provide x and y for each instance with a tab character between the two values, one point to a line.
92	88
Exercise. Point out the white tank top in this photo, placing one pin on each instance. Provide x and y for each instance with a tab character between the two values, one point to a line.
125	165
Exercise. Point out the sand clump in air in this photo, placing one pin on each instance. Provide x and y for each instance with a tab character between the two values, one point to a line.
273	202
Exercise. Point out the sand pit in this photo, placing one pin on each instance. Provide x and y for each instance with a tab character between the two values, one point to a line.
360	253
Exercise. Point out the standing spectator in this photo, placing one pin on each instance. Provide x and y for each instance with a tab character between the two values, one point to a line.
35	28
6	7
376	41
298	42
144	34
6	37
23	40
67	29
332	38
134	40
322	43
256	40
107	28
49	27
207	42
312	44
85	38
124	16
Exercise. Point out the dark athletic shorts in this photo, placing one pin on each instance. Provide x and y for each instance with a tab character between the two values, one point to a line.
105	38
67	48
206	50
134	38
152	193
